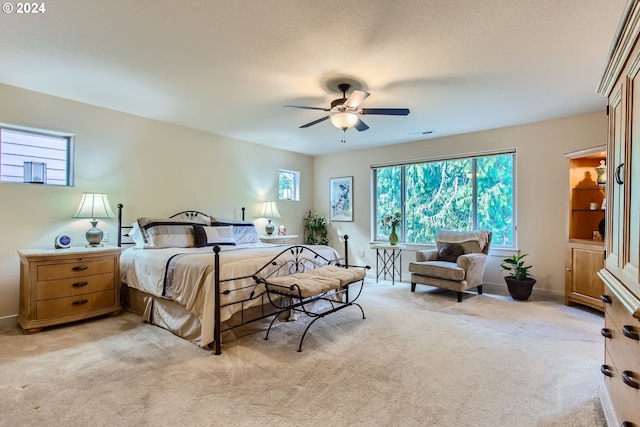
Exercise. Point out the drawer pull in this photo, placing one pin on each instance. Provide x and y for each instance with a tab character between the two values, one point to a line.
629	332
605	370
605	299
627	377
605	332
80	302
80	267
79	284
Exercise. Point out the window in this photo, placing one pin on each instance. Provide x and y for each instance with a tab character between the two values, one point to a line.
289	184
51	150
457	194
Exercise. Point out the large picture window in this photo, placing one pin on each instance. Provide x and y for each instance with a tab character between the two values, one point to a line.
25	151
456	194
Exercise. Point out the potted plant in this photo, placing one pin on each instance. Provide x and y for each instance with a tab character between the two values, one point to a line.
519	281
392	221
315	228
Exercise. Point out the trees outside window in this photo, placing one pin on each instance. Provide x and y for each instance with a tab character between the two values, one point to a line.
455	194
288	185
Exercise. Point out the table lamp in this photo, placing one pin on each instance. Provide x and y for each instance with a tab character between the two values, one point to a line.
269	211
94	205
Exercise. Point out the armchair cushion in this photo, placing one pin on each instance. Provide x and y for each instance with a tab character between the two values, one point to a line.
438	269
450	252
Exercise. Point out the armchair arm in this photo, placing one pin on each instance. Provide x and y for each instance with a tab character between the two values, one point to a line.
473	264
427	255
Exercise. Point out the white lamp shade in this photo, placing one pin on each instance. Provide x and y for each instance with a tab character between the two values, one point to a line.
270	210
94	205
344	120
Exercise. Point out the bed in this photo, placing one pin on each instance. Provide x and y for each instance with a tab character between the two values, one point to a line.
204	279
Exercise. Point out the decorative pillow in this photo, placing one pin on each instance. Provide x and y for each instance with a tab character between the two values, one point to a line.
214	235
136	235
166	233
243	231
450	252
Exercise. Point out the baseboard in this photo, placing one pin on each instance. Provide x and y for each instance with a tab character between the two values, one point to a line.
8	322
607	406
536	294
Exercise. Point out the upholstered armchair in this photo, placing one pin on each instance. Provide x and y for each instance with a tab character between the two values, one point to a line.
457	263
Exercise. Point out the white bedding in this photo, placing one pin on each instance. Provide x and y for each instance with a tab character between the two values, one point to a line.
192	275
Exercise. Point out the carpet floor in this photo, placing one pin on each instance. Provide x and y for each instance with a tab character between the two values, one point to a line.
418	359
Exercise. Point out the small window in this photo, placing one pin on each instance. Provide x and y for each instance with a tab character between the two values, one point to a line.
289	182
35	156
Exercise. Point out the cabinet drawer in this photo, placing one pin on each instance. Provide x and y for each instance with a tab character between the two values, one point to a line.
62	307
75	269
627	325
74	286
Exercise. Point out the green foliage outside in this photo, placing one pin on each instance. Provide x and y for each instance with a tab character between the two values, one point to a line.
285	186
441	195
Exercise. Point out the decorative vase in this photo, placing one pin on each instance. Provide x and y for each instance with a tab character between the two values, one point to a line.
520	289
393	237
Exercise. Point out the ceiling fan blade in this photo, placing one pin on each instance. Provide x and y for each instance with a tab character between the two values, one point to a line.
360	126
314	122
356	97
307	108
386	111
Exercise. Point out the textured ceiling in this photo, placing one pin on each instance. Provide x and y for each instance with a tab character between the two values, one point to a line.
228	67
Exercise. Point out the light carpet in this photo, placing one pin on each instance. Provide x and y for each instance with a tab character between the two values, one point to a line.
418	359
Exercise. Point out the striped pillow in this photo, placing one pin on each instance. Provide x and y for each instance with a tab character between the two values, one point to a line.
243	231
166	233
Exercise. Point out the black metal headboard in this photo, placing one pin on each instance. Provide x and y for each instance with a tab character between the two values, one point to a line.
123	230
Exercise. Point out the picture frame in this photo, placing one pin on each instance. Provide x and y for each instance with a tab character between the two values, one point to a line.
341	190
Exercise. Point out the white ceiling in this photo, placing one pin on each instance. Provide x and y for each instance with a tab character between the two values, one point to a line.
229	66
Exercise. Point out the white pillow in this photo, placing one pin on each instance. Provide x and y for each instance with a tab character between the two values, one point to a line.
243	231
214	235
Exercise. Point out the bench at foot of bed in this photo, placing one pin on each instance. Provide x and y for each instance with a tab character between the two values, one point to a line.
329	283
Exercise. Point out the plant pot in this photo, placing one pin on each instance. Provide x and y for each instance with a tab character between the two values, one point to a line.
520	289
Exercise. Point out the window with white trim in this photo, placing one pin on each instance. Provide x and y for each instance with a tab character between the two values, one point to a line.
468	193
35	156
289	185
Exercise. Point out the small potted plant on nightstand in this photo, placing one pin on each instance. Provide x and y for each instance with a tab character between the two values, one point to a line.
519	281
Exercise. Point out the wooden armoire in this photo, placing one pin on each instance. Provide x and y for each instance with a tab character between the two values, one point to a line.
620	83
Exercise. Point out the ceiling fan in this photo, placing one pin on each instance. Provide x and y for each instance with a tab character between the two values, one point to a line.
344	112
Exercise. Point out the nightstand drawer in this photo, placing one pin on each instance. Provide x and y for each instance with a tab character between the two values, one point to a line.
66	285
63	307
73	286
74	269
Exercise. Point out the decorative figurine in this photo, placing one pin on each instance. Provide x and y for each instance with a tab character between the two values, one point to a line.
602	173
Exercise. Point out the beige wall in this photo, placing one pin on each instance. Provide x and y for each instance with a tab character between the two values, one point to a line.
156	169
153	168
541	185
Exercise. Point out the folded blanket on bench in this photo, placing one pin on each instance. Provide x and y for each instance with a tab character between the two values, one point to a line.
317	281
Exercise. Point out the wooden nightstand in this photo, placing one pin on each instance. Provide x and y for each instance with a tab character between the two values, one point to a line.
287	239
64	285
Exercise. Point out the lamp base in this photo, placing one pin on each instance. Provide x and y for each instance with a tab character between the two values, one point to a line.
94	235
269	228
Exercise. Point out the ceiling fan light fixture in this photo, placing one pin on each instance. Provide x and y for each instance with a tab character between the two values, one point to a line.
344	120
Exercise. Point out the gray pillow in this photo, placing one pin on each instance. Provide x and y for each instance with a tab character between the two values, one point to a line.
450	252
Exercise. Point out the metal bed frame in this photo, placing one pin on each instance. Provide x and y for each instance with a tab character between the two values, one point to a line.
304	259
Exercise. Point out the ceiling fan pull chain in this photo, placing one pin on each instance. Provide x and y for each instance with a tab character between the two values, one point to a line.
344	136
